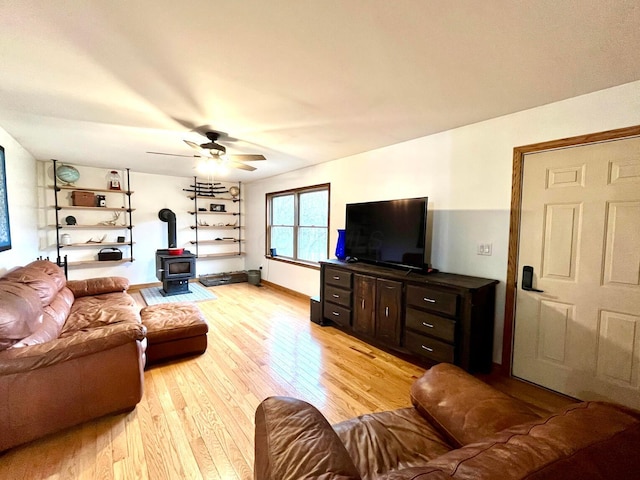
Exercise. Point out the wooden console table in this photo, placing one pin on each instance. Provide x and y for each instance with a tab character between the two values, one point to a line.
431	318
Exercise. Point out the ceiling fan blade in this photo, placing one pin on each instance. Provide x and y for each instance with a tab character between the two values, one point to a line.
193	145
241	166
247	157
176	155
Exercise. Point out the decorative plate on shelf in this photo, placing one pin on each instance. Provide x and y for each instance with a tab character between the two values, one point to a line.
234	191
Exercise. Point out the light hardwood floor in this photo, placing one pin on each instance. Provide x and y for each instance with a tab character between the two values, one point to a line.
195	419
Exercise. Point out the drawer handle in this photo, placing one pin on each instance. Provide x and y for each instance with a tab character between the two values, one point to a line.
430	300
336	314
427	348
336	277
335	295
427	324
386	311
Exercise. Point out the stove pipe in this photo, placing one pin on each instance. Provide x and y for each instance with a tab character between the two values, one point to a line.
168	216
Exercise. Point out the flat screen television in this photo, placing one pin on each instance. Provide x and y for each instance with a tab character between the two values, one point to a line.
389	232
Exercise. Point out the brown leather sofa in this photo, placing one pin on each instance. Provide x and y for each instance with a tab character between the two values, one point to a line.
70	351
458	428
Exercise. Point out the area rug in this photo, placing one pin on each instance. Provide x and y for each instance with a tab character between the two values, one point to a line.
153	295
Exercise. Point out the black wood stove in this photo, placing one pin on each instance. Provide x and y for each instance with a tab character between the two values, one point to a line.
174	271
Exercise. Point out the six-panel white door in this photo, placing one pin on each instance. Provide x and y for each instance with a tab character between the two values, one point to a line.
580	231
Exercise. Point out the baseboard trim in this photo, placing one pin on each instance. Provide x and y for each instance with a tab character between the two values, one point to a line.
286	290
499	369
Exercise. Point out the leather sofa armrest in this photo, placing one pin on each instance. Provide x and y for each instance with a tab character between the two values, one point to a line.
463	408
98	286
294	440
79	344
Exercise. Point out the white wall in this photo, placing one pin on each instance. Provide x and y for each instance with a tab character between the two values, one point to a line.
465	172
21	179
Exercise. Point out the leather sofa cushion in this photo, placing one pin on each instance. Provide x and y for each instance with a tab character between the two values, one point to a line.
20	313
386	441
98	286
294	440
463	408
44	277
586	441
53	320
56	273
94	311
170	321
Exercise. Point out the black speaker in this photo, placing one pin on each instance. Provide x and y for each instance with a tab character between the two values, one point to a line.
272	252
316	310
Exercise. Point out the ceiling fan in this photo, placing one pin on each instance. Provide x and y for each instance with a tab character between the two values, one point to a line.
214	155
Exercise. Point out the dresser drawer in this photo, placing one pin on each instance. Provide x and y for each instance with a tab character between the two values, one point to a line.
431	299
337	295
337	314
429	324
429	348
339	278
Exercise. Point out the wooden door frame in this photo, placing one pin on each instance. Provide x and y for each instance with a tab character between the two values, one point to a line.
514	222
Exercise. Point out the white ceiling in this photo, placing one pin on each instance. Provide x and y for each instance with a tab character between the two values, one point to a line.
101	82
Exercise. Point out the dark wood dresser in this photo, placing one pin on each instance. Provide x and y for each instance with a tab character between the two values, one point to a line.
429	318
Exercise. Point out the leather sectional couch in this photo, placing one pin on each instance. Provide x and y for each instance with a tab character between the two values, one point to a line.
70	351
457	428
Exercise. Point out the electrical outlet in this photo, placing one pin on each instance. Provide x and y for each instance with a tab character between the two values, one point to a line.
485	249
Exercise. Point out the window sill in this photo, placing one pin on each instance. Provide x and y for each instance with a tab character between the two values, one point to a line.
299	263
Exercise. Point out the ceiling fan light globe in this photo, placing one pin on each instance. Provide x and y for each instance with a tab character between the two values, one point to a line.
206	166
222	170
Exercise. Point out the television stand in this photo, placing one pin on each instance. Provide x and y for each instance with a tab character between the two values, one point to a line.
427	318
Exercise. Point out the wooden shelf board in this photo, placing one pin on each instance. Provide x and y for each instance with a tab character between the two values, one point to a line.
215	242
220	255
97	244
96	263
213	213
85	189
78	207
214	227
78	227
208	197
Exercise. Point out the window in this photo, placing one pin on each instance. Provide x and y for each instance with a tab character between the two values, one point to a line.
298	224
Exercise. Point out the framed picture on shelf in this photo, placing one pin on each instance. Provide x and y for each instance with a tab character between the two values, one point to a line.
216	207
5	231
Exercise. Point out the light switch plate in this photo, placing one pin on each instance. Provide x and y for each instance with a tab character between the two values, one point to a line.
485	249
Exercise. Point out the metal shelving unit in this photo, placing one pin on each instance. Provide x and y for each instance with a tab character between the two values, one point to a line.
200	216
127	192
